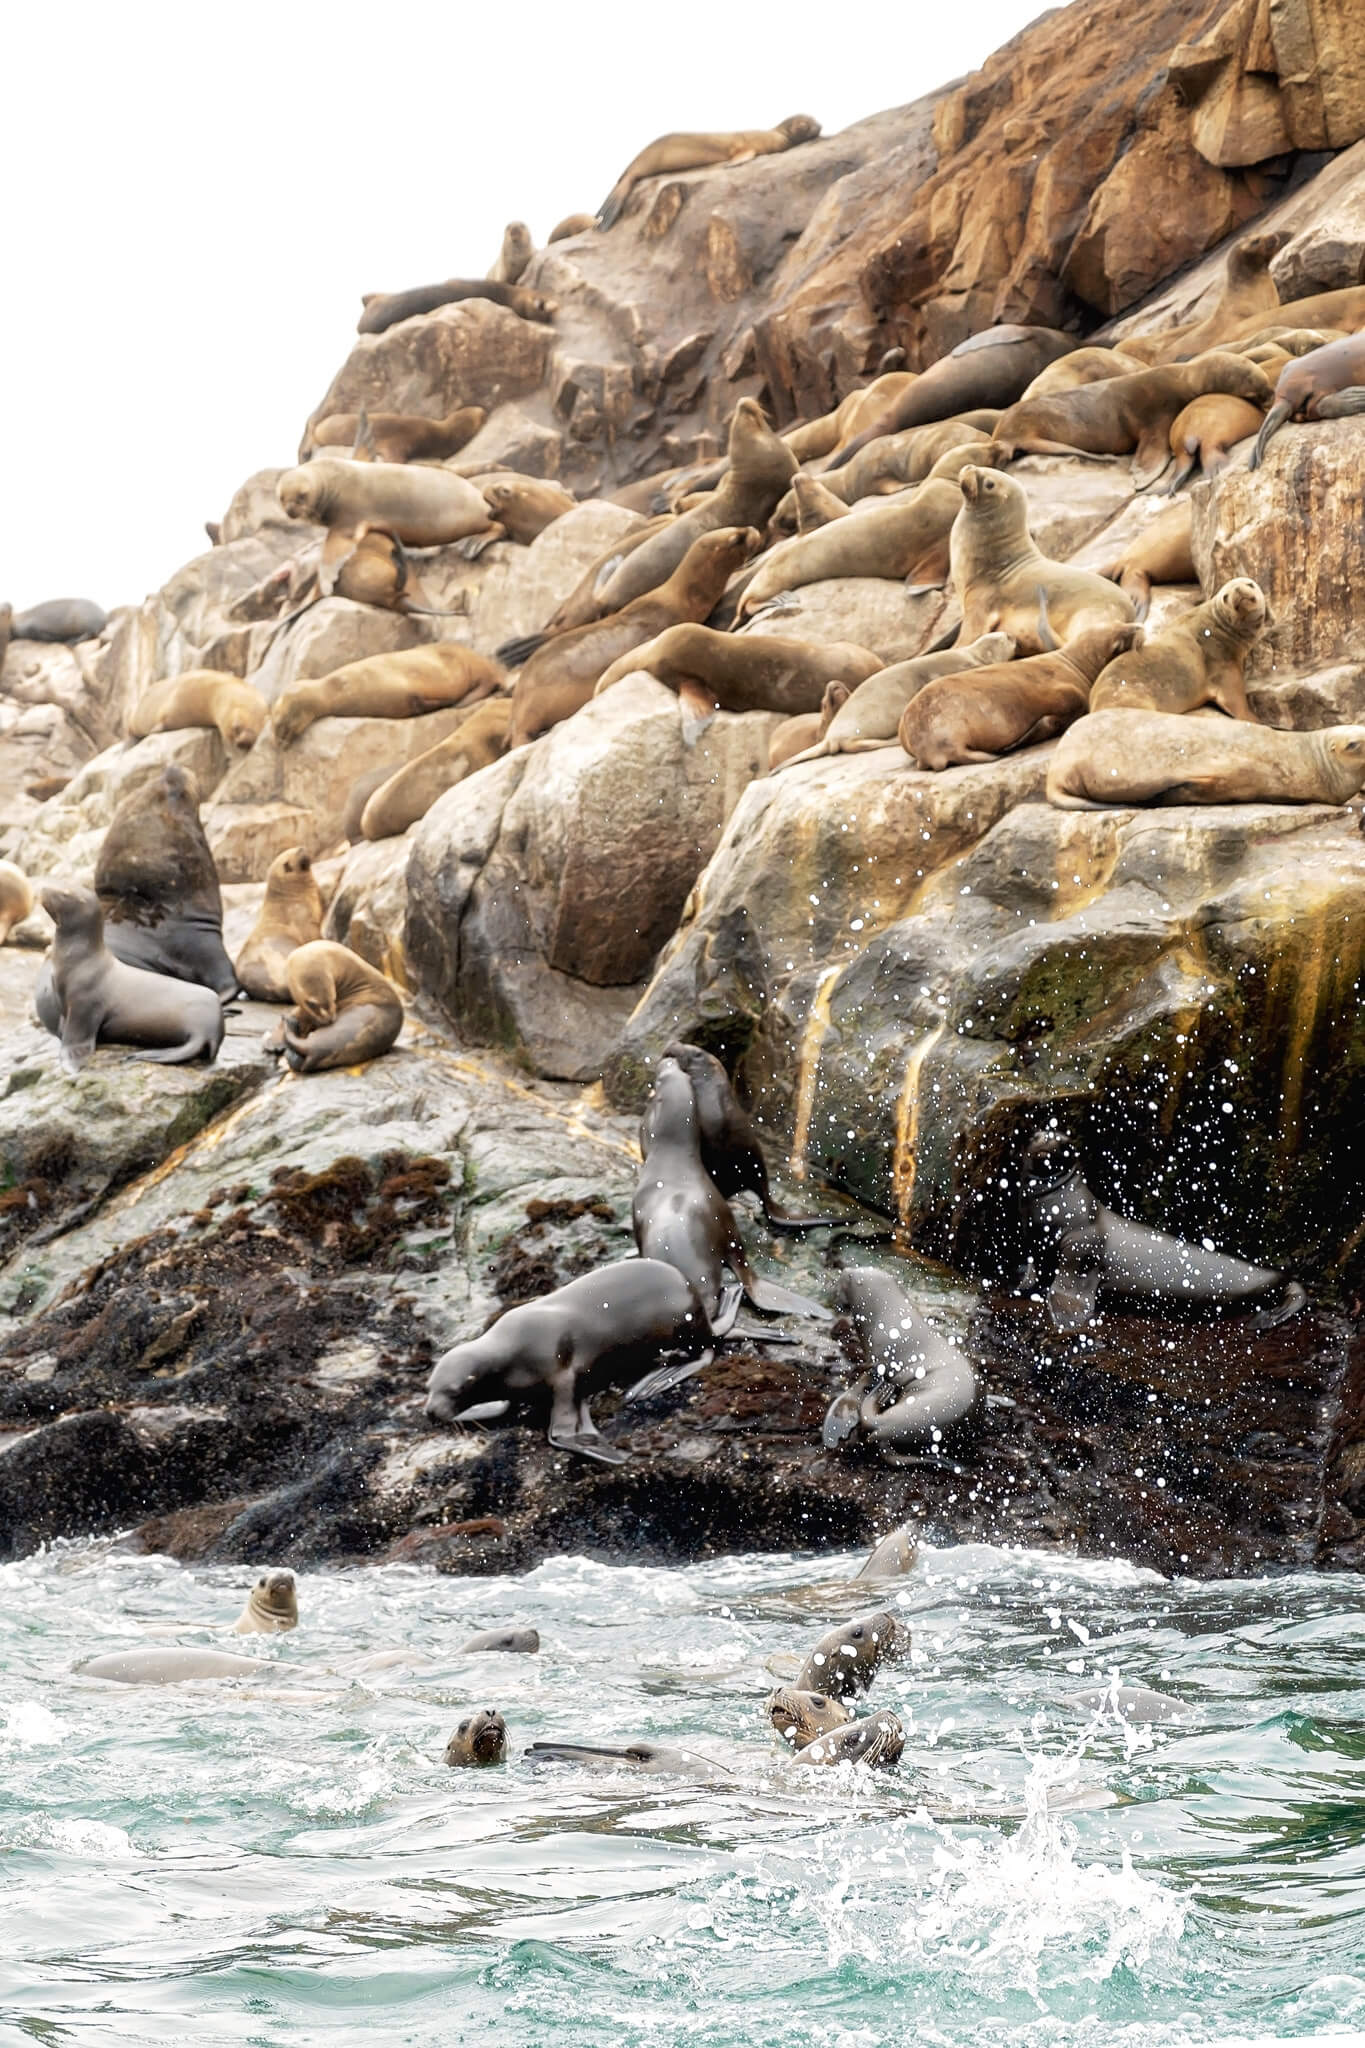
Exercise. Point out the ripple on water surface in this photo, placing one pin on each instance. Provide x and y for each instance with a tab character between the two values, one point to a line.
285	1860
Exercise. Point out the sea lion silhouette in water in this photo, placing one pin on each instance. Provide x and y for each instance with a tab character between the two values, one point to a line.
158	886
480	1739
592	1333
86	996
916	1386
504	1642
272	1606
690	152
172	1666
1081	1253
731	1150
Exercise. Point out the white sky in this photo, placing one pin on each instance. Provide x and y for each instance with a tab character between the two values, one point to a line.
196	197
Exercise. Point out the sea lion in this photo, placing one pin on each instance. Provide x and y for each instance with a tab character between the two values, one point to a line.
86	996
1126	414
1137	1703
158	887
878	1742
481	1738
981	713
691	152
16	898
1325	384
1196	659
291	916
375	571
1249	294
345	1011
398	437
992	369
897	460
504	1642
401	685
798	1717
521	507
847	1658
731	1149
410	791
901	539
571	225
171	1666
654	1757
1162	553
812	505
872	715
811	439
1105	763
201	697
422	506
517	249
1080	1252
560	677
998	570
1204	434
799	734
742	672
385	309
66	619
893	1557
594	1332
915	1387
1082	366
1344	310
583	605
272	1606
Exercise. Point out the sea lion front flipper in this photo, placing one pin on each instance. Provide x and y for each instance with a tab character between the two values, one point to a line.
593	1446
1072	1297
843	1419
664	1378
776	1300
473	545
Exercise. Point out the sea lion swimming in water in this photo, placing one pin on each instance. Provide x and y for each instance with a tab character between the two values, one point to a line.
878	1742
272	1606
798	1717
916	1386
846	1659
481	1738
504	1642
656	1758
731	1150
172	1666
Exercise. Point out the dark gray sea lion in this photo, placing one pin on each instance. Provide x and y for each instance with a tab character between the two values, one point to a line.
172	1666
272	1606
878	1742
481	1738
994	368
385	309
61	618
798	1717
158	886
86	996
731	1150
654	1757
1082	1253
915	1385
508	1642
595	1332
846	1659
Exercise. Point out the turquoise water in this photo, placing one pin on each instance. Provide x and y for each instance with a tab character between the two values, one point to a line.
287	1861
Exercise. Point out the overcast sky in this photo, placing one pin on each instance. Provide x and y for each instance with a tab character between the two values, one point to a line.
196	197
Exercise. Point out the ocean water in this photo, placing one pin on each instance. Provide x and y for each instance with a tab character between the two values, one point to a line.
287	1860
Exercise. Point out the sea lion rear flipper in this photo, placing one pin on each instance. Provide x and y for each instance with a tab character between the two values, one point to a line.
515	653
1182	472
1341	405
776	1300
731	1301
1293	1301
664	1378
1151	458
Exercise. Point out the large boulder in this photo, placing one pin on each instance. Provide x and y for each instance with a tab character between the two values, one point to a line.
473	353
64	838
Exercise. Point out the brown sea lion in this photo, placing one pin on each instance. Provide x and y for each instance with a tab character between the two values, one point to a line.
746	672
847	1658
799	734
1082	366
878	1742
813	438
1344	310
895	460
86	996
158	887
1197	659
998	570
424	507
560	677
1126	414
1112	759
1162	553
984	712
905	539
345	1011
988	369
398	436
401	685
376	571
409	793
481	1738
571	225
521	507
385	309
271	1607
798	1717
290	917
59	619
731	1149
201	697
1328	383
689	152
1204	434
16	898
871	716
518	247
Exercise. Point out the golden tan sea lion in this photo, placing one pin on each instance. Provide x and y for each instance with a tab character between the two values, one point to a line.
870	717
561	676
86	996
895	460
799	1717
1197	659
385	309
1249	294
1328	383
980	713
1126	414
410	792
516	252
799	734
812	506
901	540
1205	432
425	507
399	436
859	409
1162	553
272	1606
1082	366
988	369
1344	309
158	887
746	672
572	224
480	1739
377	571
345	1011
203	697
688	152
847	1658
16	898
401	685
290	917
520	507
998	570
1114	759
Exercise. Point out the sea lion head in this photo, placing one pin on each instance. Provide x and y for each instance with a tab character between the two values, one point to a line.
180	788
672	1106
1094	649
536	306
723	550
1345	744
798	1717
1250	257
75	912
290	873
245	717
1240	608
1050	1160
273	1601
753	448
466	1378
990	496
481	1738
799	128
301	492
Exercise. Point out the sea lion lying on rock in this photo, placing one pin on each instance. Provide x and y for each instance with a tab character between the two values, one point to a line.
1083	366
1104	762
345	1011
1197	659
59	620
272	1606
397	436
401	685
1004	580
202	697
901	539
521	507
1162	553
898	460
1328	383
158	886
993	368
290	917
872	714
86	996
1205	433
746	672
385	309
797	735
409	793
1126	414
424	507
981	713
915	1388
694	152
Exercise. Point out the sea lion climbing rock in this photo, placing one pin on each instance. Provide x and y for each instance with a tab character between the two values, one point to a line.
1197	659
1107	761
290	917
731	1149
86	996
409	793
158	886
915	1387
345	1011
695	152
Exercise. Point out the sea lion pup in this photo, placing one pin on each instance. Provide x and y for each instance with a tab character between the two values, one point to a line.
272	1606
1162	553
560	677
1080	1252
401	685
872	714
158	887
746	672
916	1386
503	1642
345	1011
731	1149
1082	366
398	436
1106	763
1197	659
878	1742
893	1557
981	713
385	309
409	793
799	734
1126	414
171	1666
481	1738
424	507
798	1717
201	697
16	898
86	996
290	917
998	571
847	1658
517	249
1325	384
905	539
571	225
1204	434
594	1332
521	507
688	152
993	368
65	619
